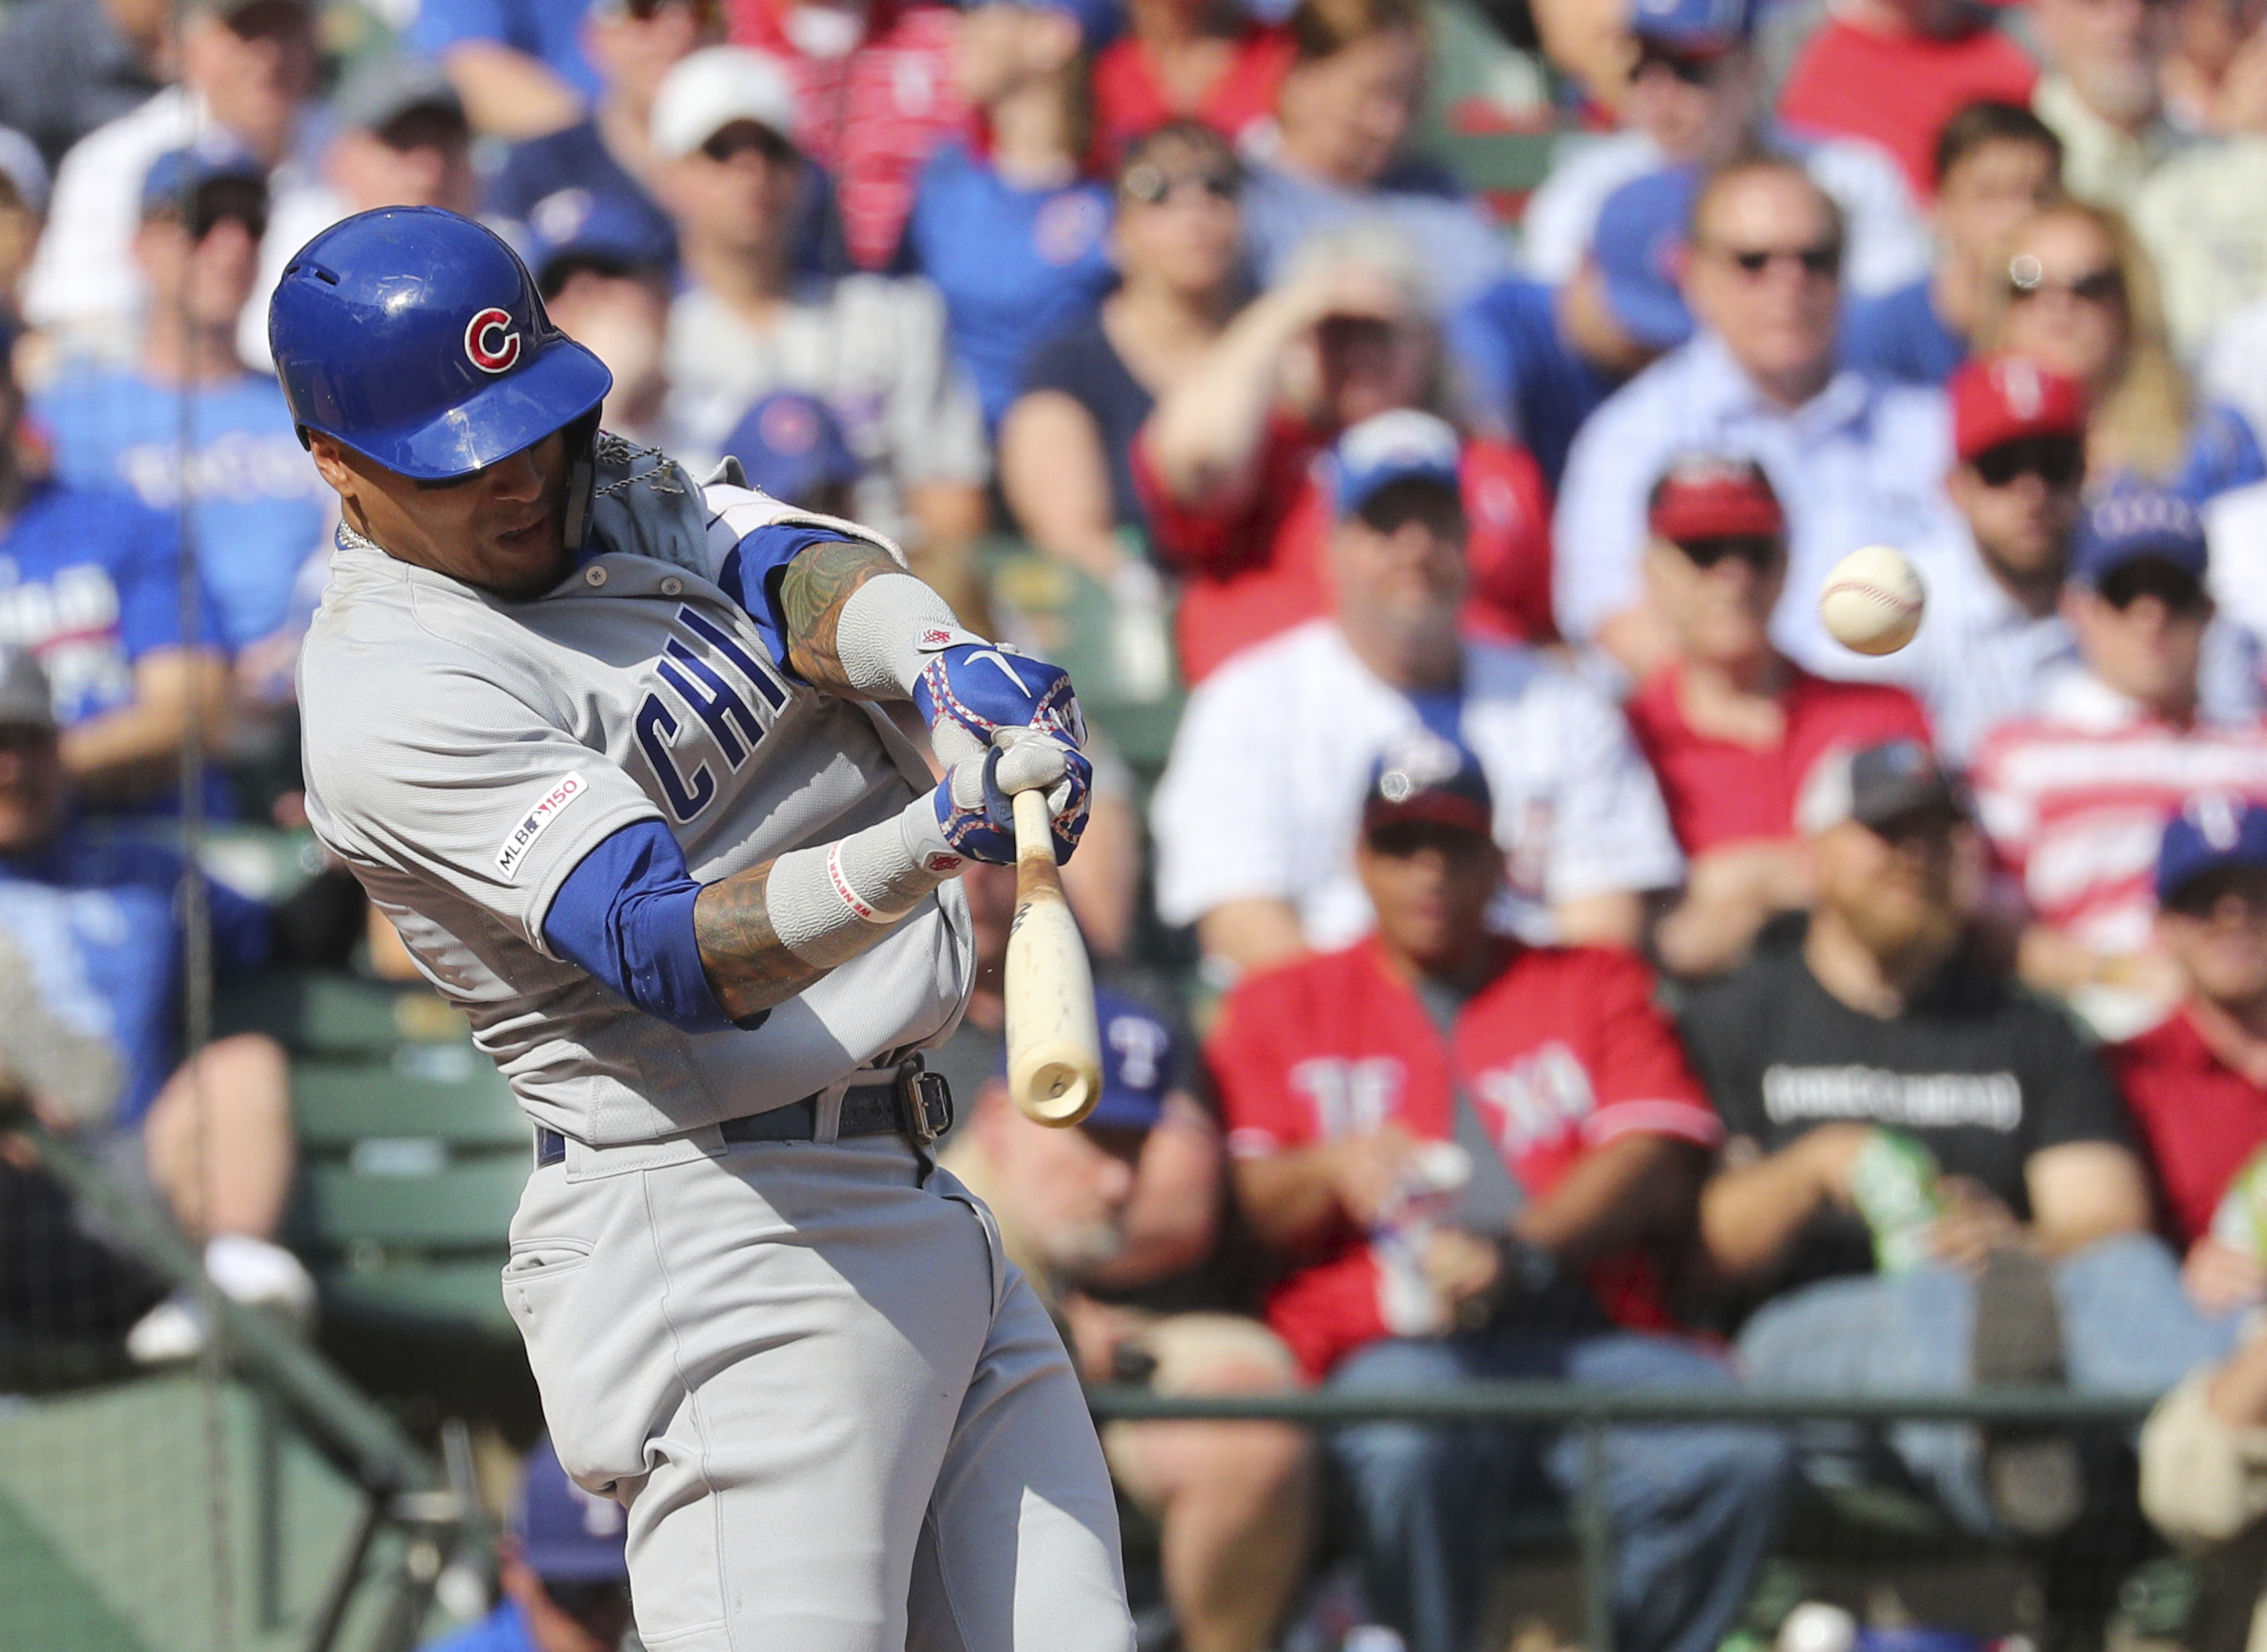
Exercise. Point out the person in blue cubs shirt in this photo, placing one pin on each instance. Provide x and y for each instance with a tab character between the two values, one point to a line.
259	512
91	583
565	1583
95	913
1014	229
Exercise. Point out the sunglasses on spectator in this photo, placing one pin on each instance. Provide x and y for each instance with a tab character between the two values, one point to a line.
2026	279
1154	186
1758	550
1693	70
2180	592
646	10
2058	461
1822	261
741	136
581	1599
2201	897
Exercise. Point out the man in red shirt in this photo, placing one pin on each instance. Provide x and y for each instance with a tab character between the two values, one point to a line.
1468	1153
2198	1081
1730	724
1227	466
1893	71
876	87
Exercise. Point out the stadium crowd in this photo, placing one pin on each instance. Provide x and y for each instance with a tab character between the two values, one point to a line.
1540	951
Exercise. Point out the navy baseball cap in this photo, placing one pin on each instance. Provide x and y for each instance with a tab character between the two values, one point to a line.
180	174
1404	445
2132	522
792	446
1137	1064
1692	28
578	226
2214	832
1875	784
1427	778
566	1534
1639	236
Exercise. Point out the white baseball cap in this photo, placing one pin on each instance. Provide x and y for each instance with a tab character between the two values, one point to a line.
714	87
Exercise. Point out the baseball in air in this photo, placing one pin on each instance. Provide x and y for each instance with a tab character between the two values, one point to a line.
1871	603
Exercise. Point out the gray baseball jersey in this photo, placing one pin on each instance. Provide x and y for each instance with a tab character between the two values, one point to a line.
464	753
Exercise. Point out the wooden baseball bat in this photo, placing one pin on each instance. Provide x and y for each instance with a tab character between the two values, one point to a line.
1054	1052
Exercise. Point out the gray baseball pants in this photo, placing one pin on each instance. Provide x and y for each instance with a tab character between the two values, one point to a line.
840	1420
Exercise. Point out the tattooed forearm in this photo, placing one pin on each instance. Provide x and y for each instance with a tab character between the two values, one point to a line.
749	967
812	592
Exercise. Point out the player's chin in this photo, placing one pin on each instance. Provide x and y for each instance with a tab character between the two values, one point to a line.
527	562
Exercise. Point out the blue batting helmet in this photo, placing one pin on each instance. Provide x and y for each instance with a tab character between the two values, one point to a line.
417	338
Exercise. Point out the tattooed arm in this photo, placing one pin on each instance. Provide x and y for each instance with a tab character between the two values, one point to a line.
813	593
749	968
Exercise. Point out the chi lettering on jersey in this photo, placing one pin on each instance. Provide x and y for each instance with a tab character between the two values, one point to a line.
719	699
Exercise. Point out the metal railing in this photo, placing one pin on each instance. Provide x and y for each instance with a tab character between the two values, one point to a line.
1593	1411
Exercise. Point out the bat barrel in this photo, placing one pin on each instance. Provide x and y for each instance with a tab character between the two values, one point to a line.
1054	1048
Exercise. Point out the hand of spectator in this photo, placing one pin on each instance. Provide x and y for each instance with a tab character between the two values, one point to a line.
2218	1278
1367	1172
1830	1150
1464	1268
1761	877
1350	288
1098	1331
1974	1223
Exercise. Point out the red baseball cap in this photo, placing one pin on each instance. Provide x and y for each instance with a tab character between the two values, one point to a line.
2002	398
1703	497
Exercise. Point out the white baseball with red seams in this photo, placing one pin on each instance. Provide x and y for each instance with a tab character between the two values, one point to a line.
1871	602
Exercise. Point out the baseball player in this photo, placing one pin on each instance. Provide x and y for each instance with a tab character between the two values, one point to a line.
602	743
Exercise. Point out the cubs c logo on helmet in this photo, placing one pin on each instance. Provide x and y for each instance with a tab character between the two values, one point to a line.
490	343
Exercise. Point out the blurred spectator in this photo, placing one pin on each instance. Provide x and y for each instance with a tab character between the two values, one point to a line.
1730	726
2196	1082
519	65
1915	1144
1258	814
871	347
97	595
606	156
400	139
1066	445
2210	81
99	914
1356	1085
1225	467
2198	215
2203	1486
1853	461
1694	101
565	1582
1009	226
2078	293
1540	359
1993	635
2101	93
1195	60
1897	72
604	275
1129	1197
23	210
875	92
258	512
69	66
1996	164
1345	110
791	447
248	82
2074	795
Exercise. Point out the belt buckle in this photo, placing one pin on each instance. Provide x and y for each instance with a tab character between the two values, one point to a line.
927	1101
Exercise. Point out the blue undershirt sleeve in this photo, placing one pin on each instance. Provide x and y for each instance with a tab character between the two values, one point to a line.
625	913
752	571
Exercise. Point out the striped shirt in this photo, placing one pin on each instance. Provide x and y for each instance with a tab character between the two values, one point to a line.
2075	799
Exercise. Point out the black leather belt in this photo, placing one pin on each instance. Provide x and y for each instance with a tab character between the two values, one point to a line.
911	1103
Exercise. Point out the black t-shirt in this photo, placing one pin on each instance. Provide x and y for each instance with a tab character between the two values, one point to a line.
1978	1070
1086	367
